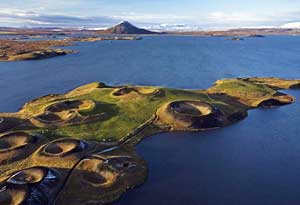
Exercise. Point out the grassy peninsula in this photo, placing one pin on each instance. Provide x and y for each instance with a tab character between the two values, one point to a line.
83	141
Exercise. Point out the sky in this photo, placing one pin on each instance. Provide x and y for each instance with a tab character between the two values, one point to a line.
155	14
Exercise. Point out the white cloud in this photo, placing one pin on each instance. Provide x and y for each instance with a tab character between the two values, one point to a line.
220	19
151	18
18	17
217	19
173	27
235	17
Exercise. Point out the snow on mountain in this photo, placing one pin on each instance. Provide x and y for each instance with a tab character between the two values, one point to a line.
291	25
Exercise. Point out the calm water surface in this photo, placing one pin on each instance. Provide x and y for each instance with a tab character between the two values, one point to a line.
255	161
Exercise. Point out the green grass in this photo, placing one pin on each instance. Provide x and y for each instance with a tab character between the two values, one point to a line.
124	114
236	86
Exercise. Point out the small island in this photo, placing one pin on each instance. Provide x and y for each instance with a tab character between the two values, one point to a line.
105	38
256	36
79	147
236	39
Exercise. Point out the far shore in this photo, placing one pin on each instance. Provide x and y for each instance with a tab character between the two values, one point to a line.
230	32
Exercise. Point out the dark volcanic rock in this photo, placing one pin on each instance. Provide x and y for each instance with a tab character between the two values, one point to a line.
127	28
256	36
236	39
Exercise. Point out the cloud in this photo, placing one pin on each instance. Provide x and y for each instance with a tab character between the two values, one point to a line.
17	17
152	18
217	19
222	17
173	27
248	19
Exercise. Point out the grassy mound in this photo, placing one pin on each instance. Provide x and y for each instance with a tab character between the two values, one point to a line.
65	152
34	185
190	115
9	123
131	92
65	113
251	93
18	145
103	177
63	147
276	83
28	176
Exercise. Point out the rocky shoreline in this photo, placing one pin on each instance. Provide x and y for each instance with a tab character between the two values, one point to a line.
14	50
18	50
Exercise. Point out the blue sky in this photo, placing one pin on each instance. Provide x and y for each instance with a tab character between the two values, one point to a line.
150	13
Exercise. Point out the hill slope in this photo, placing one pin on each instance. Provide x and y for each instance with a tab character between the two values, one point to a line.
126	28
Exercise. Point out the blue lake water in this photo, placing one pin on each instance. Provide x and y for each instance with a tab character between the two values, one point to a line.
255	161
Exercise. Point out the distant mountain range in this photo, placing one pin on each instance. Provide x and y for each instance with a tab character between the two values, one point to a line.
251	32
126	28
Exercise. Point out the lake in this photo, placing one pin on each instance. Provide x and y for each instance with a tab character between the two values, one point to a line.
255	161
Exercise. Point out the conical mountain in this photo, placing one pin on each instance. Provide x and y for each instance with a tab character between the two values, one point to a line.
127	28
